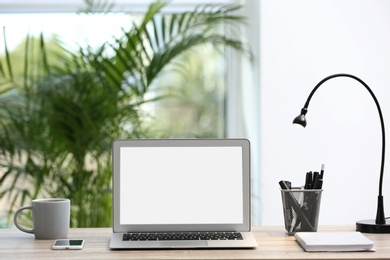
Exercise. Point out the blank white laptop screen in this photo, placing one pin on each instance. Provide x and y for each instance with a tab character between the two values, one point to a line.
181	185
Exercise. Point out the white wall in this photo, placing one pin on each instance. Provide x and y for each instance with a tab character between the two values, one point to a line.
301	42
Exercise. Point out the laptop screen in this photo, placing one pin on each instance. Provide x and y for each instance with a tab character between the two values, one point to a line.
176	183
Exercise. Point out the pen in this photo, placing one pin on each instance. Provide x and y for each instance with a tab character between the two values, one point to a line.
309	180
318	182
319	185
284	185
322	171
316	179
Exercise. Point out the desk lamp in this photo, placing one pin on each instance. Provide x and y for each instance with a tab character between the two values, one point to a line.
380	224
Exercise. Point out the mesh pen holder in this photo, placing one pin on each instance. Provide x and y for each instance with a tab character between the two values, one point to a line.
301	209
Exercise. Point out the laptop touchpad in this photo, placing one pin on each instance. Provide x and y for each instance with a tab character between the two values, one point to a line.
182	243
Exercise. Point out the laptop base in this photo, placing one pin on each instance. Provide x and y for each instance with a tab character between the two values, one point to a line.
118	243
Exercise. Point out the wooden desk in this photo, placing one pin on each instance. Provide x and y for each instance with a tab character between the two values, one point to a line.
273	244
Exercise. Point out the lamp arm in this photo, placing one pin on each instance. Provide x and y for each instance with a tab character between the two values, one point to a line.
380	217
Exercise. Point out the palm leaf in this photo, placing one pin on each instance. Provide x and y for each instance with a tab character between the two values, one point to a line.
150	47
7	56
93	6
6	74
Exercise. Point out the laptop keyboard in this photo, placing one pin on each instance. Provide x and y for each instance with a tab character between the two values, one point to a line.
182	236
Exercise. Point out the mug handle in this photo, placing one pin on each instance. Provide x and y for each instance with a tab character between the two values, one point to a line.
31	231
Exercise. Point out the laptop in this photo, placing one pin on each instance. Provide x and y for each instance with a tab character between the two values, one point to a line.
181	193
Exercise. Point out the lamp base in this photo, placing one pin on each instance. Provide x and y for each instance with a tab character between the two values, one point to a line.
369	226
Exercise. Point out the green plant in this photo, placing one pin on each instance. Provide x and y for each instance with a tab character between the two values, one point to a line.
58	120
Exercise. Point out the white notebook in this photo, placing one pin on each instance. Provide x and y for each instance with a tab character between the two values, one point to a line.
334	241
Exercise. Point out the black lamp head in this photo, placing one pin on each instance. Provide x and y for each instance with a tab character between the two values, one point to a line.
300	121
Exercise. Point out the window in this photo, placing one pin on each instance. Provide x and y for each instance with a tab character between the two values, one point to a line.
195	95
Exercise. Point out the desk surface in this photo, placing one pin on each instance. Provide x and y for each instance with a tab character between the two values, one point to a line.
273	244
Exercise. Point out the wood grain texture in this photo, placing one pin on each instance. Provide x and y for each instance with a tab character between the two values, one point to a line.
273	244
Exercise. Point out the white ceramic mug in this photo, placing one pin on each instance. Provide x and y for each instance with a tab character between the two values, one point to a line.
51	218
